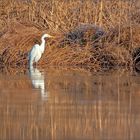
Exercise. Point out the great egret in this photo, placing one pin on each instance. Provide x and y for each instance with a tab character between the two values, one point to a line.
37	50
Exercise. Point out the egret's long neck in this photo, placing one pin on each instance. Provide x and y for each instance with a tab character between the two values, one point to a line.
42	46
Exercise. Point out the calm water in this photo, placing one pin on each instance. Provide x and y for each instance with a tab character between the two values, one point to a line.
66	104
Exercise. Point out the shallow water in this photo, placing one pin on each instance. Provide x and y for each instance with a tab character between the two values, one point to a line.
69	104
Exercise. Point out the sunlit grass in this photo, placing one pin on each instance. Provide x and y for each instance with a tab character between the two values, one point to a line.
23	22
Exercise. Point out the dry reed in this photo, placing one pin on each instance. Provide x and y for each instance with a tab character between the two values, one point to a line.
90	33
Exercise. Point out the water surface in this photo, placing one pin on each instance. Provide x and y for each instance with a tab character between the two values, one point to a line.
69	104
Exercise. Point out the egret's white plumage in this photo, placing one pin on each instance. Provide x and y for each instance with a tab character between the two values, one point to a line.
37	50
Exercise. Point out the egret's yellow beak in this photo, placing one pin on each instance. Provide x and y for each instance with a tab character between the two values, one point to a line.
51	36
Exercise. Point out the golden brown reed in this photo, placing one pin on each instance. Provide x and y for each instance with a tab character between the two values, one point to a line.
75	25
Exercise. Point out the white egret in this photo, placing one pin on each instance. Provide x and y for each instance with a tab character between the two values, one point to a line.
37	50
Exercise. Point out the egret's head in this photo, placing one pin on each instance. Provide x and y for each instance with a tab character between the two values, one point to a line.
46	36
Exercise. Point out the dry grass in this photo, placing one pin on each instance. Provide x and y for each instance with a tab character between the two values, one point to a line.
90	33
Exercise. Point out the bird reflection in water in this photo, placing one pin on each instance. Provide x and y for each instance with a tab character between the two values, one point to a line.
38	81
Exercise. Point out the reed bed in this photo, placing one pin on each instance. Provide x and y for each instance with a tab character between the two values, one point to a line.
88	33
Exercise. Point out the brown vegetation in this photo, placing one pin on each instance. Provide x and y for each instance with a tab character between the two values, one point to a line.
89	33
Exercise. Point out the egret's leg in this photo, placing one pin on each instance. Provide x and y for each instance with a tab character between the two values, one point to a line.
31	63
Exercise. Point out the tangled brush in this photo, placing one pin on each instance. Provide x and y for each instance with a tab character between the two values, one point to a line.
112	43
